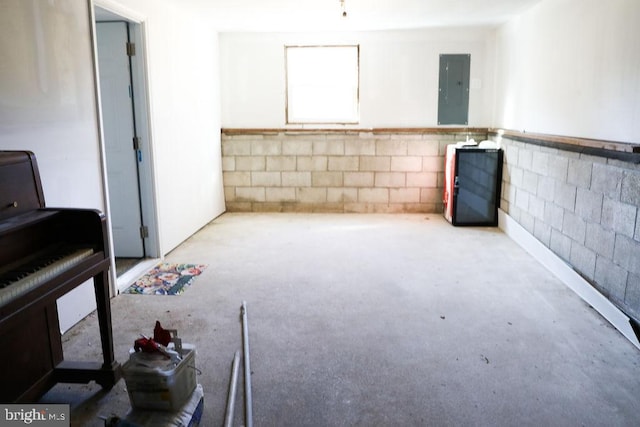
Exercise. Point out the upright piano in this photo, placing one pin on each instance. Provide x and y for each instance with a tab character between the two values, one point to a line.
44	254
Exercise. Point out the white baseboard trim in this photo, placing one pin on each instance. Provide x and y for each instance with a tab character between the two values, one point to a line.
126	279
567	275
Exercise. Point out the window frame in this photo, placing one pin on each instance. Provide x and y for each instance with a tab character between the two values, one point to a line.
289	121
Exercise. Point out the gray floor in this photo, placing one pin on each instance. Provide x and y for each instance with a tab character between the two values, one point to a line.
377	320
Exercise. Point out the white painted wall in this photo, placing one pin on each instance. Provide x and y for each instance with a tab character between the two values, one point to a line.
398	75
182	61
47	97
48	105
571	67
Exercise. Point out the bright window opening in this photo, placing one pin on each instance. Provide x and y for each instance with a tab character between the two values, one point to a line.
322	84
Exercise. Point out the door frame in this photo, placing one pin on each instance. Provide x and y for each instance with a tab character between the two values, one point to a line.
141	94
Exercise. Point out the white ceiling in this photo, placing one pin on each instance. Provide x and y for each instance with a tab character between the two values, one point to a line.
326	15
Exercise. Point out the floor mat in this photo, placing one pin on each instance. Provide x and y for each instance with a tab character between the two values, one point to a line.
166	279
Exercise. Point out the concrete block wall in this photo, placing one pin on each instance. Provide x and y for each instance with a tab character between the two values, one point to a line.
336	171
585	208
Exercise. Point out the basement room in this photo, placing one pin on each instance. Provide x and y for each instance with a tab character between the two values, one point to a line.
320	212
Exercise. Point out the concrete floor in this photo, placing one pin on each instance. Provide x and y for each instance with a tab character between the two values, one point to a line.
377	320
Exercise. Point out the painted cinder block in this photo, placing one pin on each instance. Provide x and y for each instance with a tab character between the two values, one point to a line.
612	278
326	179
600	240
328	147
553	215
250	194
421	179
312	163
522	199
525	159
228	164
565	195
266	148
515	175
542	232
358	179
234	179
545	188
268	207
627	254
281	163
589	205
359	148
430	195
406	164
536	207
391	208
619	217
584	260
238	206
343	163
574	227
433	164
296	179
229	193
558	167
630	192
390	179
508	192
311	195
373	195
607	180
422	148
250	163
527	221
540	162
342	195
236	147
297	147
280	194
632	295
375	163
579	173
404	195
265	179
391	147
560	244
529	181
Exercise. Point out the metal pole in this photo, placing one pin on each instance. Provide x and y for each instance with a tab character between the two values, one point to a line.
231	398
247	369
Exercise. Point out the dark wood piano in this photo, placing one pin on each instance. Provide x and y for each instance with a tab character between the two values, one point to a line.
45	253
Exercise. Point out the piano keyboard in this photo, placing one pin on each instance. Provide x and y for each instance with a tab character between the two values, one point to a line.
37	271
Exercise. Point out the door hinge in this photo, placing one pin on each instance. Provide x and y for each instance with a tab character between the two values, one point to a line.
136	143
144	232
131	49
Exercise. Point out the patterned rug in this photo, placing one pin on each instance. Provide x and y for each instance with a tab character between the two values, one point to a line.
166	279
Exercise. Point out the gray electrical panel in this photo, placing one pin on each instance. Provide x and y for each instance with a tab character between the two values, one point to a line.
453	96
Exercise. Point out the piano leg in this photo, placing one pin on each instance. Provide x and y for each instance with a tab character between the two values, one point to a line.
108	373
101	286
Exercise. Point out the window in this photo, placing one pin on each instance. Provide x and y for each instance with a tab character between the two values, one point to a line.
322	84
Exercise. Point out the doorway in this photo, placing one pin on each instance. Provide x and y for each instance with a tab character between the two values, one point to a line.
123	93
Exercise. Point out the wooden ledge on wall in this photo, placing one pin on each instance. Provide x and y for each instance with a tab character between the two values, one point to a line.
429	130
590	146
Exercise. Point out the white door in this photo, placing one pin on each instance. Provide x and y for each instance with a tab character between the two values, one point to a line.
118	127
